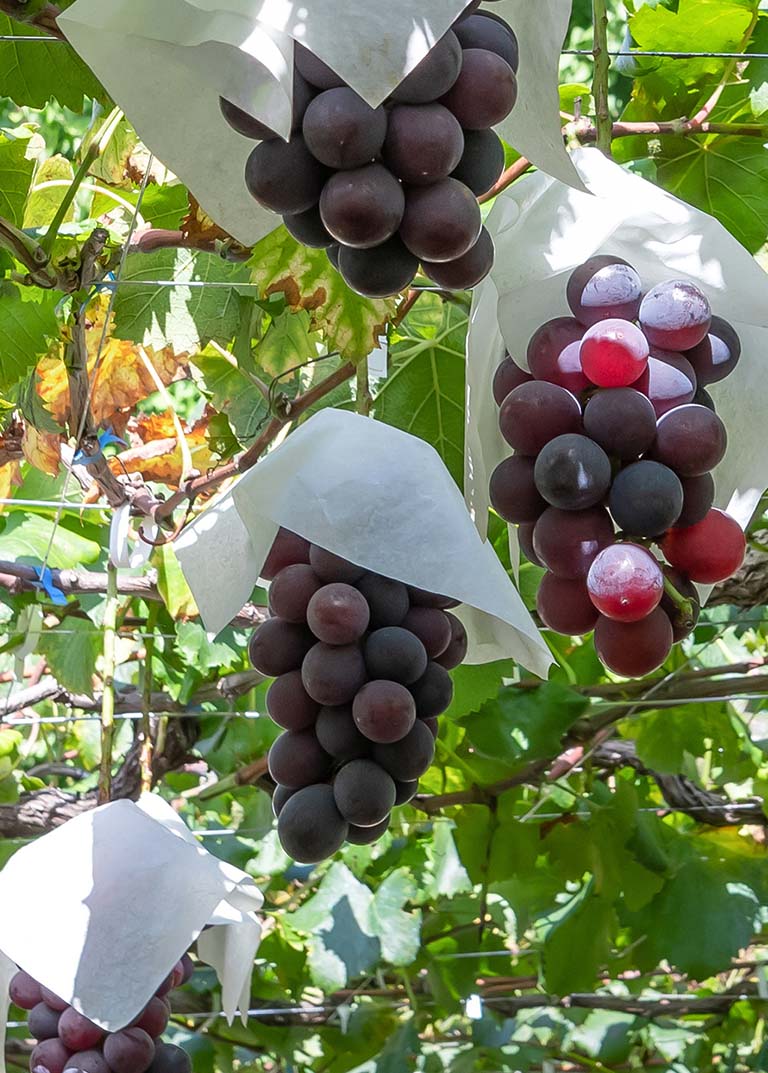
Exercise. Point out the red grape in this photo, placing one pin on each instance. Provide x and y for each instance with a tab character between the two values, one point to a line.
525	540
622	421
431	626
698	497
634	649
308	228
291	591
435	75
508	376
246	124
668	381
277	647
297	759
43	1022
513	491
675	315
78	1033
331	567
25	991
384	711
614	353
466	271
287	549
338	614
708	552
456	651
284	176
646	499
362	207
154	1017
484	93
342	131
717	356
52	1055
604	288
422	598
50	998
567	541
564	605
332	674
691	440
537	412
364	793
572	472
625	583
554	354
424	143
88	1062
441	222
129	1051
289	704
366	836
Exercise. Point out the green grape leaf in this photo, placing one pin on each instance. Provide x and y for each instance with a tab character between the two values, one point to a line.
72	653
27	326
578	943
233	393
32	74
27	538
15	176
44	199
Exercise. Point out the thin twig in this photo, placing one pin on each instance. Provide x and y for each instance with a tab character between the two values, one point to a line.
108	694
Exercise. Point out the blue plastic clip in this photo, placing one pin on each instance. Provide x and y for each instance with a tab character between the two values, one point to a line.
80	458
46	582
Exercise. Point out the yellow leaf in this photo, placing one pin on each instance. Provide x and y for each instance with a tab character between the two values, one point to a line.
165	463
10	478
42	449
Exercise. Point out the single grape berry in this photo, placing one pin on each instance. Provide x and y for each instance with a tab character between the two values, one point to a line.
604	288
90	1062
80	1034
622	421
246	124
288	703
668	381
691	440
379	272
646	499
535	413
154	1018
424	143
431	626
130	1050
395	654
291	591
507	377
482	162
625	583
484	93
708	552
458	645
384	711
310	826
332	674
492	33
169	1059
338	734
297	759
434	76
342	131
409	758
25	991
422	598
52	1055
433	693
288	548
364	793
308	228
614	353
716	356
441	222
406	791
675	315
525	540
43	1022
362	207
51	999
513	492
634	649
314	70
284	176
338	614
366	836
554	354
387	599
564	606
281	795
331	567
572	472
466	271
567	541
277	647
698	499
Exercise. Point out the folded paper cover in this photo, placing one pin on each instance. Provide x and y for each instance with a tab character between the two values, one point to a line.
375	495
106	904
166	64
543	230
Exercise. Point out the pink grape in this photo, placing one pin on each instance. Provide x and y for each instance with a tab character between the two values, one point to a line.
24	991
708	552
668	381
675	315
614	353
77	1032
625	583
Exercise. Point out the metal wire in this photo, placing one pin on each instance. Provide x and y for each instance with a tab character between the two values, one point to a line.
49	504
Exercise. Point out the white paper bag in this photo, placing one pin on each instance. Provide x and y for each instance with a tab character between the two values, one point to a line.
543	230
372	494
105	905
166	64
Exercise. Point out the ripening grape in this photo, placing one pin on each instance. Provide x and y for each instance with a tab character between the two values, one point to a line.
51	1055
668	381
277	647
484	93
698	498
708	552
622	421
554	354
424	143
435	75
384	711
604	288
332	674
387	599
567	541
433	693
288	703
491	33
691	440
366	836
284	176
458	645
380	272
406	791
482	163
288	548
625	583
169	1059
291	590
25	991
281	795
409	758
362	207
683	624
646	499
634	649
310	826
129	1051
364	793
297	759
312	68
564	605
78	1033
513	492
466	271
154	1017
342	131
250	127
395	654
614	353
675	315
441	222
572	472
507	377
331	567
338	734
717	356
43	1022
308	228
535	413
338	614
431	626
94	1062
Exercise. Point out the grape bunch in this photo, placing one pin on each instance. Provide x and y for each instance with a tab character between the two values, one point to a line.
615	438
360	665
68	1041
385	189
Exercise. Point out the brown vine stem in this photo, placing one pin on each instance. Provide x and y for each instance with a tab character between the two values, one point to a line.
513	172
108	695
601	74
145	732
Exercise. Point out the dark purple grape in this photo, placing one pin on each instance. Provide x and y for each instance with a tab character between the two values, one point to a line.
78	1033
381	272
464	272
491	34
384	711
338	614
668	381
342	131
331	567
675	315
698	499
424	143
513	491
297	759
332	253
395	654
703	398
366	836
432	627
43	1021
308	229
88	1062
567	541
362	207
289	704
456	651
441	222
24	991
277	647
170	1059
284	176
507	377
554	354
717	356
434	76
433	693
281	795
188	967
332	674
692	440
406	791
482	163
250	127
525	540
565	607
317	73
287	549
604	288
622	421
537	412
291	590
572	472
634	649
153	1019
387	600
484	93
52	1056
409	758
129	1051
646	499
433	725
310	826
364	793
337	732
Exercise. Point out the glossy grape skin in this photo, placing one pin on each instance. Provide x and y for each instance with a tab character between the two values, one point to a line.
567	541
280	798
716	356
513	492
621	421
379	272
537	412
277	647
491	33
310	826
484	93
78	1033
406	791
364	793
387	599
288	548
564	606
668	381
698	498
332	674
332	253
308	229
433	693
572	473
435	75
482	162
170	1059
507	377
342	131
458	645
384	711
284	176
409	758
291	590
314	70
625	583
708	552
288	703
24	990
362	207
614	353
296	759
441	222
634	649
604	288
466	271
366	836
682	625
331	567
396	654
130	1050
646	499
525	540
338	614
431	626
424	143
675	315
554	354
338	734
691	439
